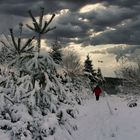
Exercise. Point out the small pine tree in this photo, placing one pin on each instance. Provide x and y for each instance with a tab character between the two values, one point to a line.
56	52
100	76
99	73
88	69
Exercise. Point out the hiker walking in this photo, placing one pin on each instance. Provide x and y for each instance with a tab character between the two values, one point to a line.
97	90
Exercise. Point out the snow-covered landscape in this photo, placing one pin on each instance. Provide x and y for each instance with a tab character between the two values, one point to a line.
65	75
96	122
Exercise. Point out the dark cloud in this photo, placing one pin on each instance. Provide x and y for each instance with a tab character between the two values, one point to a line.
20	7
110	16
123	3
122	16
125	34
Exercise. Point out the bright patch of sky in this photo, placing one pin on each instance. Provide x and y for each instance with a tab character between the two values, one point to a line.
98	54
90	7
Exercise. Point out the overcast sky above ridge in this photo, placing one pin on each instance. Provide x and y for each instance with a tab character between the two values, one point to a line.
88	21
85	22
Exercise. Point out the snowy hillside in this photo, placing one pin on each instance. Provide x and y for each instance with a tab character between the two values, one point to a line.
96	123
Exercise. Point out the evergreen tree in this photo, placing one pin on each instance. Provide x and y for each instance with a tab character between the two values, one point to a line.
40	27
56	52
99	73
88	69
37	103
100	76
40	63
17	51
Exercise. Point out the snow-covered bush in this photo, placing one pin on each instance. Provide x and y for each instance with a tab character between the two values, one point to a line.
25	109
129	72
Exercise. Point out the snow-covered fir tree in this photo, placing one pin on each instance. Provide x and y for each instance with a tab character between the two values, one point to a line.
38	97
89	71
16	52
56	52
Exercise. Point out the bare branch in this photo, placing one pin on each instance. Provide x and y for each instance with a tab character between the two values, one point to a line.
51	19
41	17
34	20
49	29
6	46
8	98
27	43
13	38
10	44
19	38
30	27
44	27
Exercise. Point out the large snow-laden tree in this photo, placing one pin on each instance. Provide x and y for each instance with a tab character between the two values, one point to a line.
40	102
18	97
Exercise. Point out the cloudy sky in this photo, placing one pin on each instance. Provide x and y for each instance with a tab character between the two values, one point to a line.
106	29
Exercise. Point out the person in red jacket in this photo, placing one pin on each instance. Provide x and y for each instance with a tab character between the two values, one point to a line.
97	90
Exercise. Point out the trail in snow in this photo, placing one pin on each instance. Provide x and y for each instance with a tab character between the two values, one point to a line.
96	123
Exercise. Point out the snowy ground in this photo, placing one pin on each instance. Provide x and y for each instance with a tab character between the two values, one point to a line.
95	121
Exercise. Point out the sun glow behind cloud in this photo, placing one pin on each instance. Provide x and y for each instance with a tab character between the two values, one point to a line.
97	53
91	7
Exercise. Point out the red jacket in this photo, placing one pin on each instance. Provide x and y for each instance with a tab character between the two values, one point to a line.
97	91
